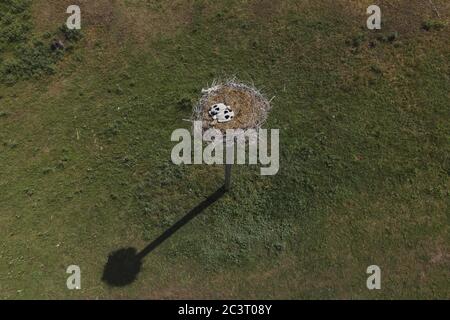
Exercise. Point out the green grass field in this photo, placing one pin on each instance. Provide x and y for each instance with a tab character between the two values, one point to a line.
85	169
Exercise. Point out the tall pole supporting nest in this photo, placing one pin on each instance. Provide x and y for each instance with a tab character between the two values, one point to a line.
228	168
248	105
229	149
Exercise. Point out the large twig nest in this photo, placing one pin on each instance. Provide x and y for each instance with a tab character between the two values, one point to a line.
250	106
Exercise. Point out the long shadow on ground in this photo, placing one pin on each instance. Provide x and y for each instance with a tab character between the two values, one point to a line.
124	265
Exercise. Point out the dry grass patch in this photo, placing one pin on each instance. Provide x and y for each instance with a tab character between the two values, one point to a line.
122	21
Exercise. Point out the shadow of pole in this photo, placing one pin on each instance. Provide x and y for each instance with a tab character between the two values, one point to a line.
124	265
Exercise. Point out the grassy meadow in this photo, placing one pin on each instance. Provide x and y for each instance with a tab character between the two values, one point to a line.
85	168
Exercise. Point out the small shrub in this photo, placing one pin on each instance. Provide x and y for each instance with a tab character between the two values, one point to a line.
430	25
392	36
388	38
72	35
48	170
15	32
6	19
358	40
113	129
18	6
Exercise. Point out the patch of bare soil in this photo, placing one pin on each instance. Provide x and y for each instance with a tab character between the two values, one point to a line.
117	20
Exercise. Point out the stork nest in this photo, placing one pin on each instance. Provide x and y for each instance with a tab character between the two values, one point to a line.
250	106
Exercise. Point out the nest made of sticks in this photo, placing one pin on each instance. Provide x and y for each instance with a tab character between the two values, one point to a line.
249	105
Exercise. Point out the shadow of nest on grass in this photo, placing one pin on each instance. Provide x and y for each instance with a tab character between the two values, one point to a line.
124	265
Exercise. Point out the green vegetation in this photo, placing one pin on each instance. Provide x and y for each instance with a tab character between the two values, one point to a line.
434	25
27	55
85	151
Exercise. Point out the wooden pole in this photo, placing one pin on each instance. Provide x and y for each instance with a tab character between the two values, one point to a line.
228	176
229	160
